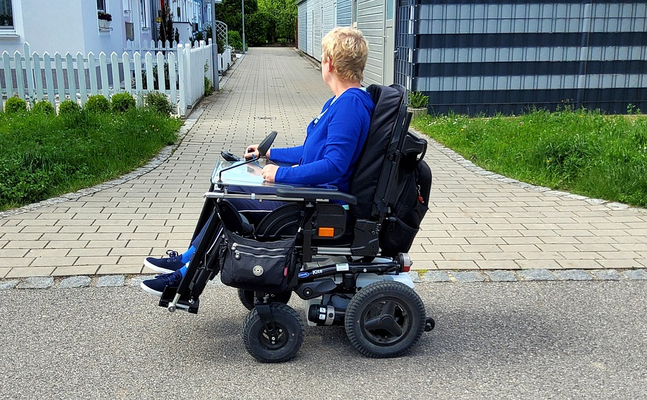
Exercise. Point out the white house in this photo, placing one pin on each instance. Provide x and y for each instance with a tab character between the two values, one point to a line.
71	26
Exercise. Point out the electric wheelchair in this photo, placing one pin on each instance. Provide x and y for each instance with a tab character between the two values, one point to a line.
344	254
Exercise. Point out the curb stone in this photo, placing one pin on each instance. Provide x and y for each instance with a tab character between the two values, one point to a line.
475	276
501	276
111	281
573	275
75	282
536	275
468	276
606	274
635	274
415	277
6	285
37	282
436	276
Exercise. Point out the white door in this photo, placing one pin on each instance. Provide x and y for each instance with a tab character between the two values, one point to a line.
389	43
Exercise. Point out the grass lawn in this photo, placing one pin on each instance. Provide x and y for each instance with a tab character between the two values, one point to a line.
578	151
44	156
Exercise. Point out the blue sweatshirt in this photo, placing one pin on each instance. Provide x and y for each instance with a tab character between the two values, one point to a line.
333	143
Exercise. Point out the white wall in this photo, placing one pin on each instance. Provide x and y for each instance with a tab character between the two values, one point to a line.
64	26
320	20
371	22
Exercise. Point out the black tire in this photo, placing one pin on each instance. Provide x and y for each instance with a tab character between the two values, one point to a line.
284	345
246	297
385	319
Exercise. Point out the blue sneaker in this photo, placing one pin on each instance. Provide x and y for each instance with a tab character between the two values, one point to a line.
156	286
165	265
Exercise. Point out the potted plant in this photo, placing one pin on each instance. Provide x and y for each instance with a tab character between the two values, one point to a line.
418	103
104	19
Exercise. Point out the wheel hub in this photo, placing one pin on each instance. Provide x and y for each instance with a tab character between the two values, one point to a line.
274	339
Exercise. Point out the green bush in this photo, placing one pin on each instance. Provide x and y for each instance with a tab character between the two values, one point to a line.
69	107
418	100
97	104
122	102
15	105
158	102
43	107
208	89
235	41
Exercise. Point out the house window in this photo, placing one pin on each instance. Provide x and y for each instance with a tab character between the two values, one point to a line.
143	14
6	15
101	5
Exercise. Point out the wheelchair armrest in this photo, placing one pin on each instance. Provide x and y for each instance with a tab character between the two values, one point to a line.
316	193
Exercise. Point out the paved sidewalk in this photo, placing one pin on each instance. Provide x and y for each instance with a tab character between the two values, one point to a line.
478	220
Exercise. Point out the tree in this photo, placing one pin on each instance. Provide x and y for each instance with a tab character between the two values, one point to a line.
266	21
281	16
229	12
166	31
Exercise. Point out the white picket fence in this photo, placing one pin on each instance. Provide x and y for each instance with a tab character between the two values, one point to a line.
33	77
224	58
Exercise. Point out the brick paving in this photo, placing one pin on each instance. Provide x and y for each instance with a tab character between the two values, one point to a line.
478	221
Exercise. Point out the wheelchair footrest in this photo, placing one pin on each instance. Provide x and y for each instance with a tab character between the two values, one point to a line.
184	303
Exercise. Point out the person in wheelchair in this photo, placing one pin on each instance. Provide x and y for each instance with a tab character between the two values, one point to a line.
328	155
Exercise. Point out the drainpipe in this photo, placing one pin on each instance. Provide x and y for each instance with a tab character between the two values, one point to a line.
214	46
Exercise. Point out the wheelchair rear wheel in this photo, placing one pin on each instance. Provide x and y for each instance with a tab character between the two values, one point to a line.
278	343
246	297
385	319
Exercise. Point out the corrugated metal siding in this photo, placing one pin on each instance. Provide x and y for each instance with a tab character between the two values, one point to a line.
316	18
302	17
371	22
329	14
344	13
494	56
311	5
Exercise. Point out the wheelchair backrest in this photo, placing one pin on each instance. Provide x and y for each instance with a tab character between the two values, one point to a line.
375	181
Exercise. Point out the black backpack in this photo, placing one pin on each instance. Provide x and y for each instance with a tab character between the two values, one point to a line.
402	224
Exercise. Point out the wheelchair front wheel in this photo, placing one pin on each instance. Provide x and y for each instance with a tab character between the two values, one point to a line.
385	319
282	342
247	297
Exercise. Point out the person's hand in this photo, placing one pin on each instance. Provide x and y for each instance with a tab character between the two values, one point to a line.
269	172
252	150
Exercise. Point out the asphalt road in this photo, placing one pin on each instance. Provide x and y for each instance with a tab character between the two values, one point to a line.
493	340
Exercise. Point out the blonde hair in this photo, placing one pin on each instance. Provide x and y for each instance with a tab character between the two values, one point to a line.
347	50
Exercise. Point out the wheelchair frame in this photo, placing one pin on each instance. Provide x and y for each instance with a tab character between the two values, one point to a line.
371	295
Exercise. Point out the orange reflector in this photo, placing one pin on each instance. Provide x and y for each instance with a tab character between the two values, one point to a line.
327	232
